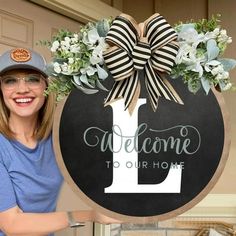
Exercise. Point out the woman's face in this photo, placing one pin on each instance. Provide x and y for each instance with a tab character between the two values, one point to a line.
23	92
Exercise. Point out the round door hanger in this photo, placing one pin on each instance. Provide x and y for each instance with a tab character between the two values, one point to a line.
152	165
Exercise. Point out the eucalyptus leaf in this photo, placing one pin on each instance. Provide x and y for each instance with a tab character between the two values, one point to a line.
85	90
99	85
102	74
76	79
212	49
84	79
227	63
206	85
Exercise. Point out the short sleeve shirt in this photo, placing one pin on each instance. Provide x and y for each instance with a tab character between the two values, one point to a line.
29	177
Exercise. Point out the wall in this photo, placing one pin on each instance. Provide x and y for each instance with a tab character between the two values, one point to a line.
226	184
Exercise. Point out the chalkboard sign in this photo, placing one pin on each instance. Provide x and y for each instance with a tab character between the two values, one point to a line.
151	165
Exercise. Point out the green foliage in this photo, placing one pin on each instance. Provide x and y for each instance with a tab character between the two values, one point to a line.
204	25
61	86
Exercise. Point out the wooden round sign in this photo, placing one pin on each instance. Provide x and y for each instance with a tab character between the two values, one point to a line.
144	167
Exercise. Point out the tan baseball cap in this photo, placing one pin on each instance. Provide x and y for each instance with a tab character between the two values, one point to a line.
22	58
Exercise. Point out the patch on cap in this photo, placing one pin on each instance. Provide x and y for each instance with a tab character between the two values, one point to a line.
20	55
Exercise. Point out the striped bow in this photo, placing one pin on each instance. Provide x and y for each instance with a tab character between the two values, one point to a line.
150	46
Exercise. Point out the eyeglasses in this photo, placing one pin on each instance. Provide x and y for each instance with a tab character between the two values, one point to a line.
32	81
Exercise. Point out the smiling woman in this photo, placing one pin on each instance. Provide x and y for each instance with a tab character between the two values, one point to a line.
30	180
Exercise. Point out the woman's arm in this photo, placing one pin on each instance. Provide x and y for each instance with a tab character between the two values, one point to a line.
13	222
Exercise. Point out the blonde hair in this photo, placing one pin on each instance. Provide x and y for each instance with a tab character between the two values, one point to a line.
45	118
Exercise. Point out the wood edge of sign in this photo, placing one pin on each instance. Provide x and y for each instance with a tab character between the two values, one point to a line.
149	219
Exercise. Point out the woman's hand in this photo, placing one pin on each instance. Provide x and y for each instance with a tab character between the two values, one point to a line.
102	219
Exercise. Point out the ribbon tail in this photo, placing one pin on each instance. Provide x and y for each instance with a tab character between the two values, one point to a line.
174	93
129	89
135	98
157	87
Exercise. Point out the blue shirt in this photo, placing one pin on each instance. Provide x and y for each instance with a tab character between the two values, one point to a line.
29	177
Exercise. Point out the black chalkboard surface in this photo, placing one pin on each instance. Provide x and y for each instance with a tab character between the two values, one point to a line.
94	152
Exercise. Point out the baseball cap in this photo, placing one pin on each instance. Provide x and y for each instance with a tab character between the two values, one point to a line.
22	58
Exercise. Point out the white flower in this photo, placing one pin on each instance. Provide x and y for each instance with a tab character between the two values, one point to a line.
223	37
76	36
227	86
223	32
217	70
223	75
71	60
55	46
229	40
56	67
216	31
212	35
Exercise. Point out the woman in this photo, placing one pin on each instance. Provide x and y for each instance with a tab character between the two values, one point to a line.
29	177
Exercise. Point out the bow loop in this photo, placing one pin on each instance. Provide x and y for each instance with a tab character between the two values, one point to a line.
149	46
158	31
123	33
141	54
163	58
119	63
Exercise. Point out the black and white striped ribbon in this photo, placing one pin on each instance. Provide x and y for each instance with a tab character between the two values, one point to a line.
154	51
